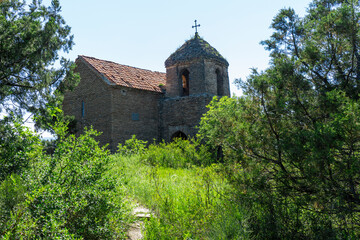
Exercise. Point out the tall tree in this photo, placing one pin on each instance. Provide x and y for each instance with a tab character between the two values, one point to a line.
295	134
31	37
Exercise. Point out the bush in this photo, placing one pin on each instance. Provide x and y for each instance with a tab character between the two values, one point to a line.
177	154
68	195
132	146
16	145
12	193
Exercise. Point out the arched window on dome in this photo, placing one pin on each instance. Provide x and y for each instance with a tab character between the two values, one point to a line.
185	82
220	83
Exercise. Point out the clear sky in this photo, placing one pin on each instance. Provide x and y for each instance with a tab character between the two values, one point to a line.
143	33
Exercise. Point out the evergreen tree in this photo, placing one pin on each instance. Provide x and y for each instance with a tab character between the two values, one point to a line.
31	37
294	135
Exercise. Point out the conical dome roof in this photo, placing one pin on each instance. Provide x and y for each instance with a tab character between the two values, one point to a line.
194	48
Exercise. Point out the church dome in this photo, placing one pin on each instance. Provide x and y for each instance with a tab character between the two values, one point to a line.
195	48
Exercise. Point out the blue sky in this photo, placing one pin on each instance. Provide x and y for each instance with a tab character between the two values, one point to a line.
144	33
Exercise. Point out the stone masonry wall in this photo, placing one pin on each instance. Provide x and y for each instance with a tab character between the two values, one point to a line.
196	79
202	78
182	114
134	112
211	78
95	93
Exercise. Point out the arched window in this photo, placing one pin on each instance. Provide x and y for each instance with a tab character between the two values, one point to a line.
178	134
185	82
220	83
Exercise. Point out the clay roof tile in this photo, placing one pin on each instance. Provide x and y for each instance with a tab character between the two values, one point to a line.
126	76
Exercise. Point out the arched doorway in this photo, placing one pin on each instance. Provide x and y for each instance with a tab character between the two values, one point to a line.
179	134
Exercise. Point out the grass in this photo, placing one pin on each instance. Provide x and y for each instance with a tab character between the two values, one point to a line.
188	203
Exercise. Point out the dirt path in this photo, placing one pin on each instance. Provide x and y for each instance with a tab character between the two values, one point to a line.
141	213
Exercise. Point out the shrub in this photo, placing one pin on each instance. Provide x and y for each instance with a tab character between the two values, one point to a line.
12	192
68	194
16	145
132	146
177	154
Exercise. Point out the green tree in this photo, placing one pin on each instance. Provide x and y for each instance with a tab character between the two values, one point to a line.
31	37
292	140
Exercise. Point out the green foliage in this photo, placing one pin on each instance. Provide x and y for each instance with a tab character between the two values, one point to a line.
230	221
186	202
31	38
291	143
177	154
16	146
12	193
132	146
63	195
301	184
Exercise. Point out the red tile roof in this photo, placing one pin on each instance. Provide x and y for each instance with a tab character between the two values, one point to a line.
127	76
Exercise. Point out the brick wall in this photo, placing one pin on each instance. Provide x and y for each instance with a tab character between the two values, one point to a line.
196	78
118	112
134	112
96	95
211	82
182	114
202	78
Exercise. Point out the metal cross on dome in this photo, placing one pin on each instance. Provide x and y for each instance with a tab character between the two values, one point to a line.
196	26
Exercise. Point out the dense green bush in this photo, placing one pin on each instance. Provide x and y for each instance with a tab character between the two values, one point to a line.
132	146
16	143
64	195
177	154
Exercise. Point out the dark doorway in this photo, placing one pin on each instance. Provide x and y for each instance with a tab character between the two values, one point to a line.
179	134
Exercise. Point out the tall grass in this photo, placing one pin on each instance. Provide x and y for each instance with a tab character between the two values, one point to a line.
188	201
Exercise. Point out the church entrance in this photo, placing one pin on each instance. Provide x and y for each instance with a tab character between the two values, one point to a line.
179	134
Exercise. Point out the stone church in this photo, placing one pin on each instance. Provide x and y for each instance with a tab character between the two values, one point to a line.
121	101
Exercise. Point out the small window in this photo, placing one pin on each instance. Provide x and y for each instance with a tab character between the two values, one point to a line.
135	117
82	109
185	82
